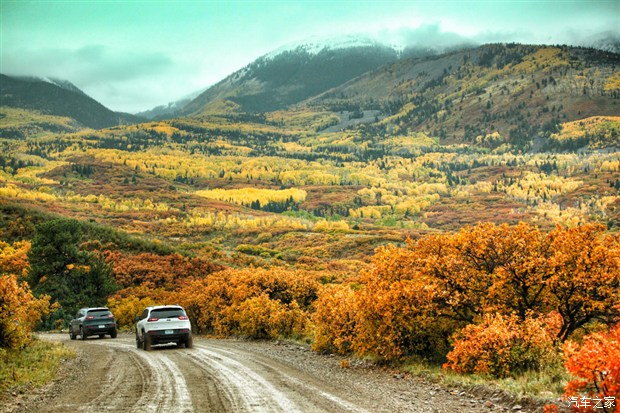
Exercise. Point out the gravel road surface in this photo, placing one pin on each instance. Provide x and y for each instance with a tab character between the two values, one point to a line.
112	375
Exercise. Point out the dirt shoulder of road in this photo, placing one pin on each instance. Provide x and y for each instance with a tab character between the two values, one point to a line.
393	382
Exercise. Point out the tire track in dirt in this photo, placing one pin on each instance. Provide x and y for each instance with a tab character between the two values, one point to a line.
220	382
164	388
247	390
110	379
264	382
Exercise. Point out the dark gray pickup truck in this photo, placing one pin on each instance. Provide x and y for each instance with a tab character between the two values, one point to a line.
92	322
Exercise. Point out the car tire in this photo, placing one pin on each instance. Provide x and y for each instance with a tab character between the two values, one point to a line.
82	333
147	342
113	334
138	342
72	335
101	335
189	342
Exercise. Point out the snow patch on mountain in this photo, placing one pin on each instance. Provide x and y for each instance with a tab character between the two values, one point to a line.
65	84
608	41
316	44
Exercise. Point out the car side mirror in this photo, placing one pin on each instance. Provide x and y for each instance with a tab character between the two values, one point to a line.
137	318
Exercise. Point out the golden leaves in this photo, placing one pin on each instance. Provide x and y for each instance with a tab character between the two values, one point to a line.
20	310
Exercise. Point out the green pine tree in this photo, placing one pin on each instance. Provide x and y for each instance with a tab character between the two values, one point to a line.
58	267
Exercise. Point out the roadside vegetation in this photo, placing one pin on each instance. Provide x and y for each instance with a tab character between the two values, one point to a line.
34	365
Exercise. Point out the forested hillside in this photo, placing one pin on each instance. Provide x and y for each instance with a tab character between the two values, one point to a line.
487	96
59	99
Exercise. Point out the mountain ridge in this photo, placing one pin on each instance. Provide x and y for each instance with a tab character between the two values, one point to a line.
59	98
273	82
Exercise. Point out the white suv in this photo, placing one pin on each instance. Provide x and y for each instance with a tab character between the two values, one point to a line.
163	324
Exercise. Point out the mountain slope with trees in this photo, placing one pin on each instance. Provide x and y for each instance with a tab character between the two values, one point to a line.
487	96
67	101
275	82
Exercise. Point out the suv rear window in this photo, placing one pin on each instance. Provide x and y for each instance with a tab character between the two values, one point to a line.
167	312
99	313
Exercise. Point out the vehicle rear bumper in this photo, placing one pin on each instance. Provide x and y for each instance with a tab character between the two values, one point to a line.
168	336
92	330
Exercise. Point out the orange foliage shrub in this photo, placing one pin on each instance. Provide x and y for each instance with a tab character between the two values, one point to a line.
14	258
255	302
394	320
126	309
156	270
334	319
501	345
388	317
20	311
262	317
205	302
596	366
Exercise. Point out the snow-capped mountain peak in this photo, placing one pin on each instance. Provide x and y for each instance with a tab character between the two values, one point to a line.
315	44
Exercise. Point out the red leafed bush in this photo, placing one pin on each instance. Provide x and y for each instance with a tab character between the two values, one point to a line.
596	365
502	345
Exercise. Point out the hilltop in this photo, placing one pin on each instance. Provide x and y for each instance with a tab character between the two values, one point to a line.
290	75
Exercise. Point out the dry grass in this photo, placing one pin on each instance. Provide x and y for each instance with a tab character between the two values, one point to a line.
34	365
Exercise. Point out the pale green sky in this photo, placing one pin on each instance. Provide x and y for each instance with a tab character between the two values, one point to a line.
132	55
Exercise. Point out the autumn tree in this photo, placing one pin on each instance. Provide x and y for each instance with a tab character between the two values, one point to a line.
414	298
14	258
334	319
519	269
394	316
584	284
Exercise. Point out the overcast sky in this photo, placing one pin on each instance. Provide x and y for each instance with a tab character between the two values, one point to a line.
133	55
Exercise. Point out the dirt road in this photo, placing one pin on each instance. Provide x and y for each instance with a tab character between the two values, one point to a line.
232	376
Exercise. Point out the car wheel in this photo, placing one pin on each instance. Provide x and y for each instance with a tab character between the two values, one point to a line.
101	335
138	342
72	335
113	334
82	333
147	342
189	342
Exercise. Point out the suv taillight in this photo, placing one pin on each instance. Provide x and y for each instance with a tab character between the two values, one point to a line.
183	317
90	317
152	319
111	316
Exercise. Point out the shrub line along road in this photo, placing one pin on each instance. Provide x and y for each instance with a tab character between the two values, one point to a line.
112	375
